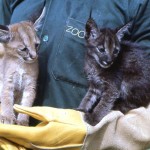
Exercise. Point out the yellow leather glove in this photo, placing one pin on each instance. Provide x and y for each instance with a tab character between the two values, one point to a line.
7	145
60	128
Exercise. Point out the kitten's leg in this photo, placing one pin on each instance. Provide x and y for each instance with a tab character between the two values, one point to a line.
89	100
7	100
104	106
27	100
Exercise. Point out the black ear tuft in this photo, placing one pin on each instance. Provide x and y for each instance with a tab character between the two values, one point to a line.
91	29
38	23
4	34
2	27
38	16
121	31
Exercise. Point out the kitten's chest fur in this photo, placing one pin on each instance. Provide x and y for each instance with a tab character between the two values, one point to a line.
19	77
20	74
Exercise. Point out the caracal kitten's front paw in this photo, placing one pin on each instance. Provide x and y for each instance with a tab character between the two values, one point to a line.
7	119
23	120
91	118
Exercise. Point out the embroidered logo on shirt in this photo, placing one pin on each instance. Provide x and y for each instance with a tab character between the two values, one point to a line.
75	31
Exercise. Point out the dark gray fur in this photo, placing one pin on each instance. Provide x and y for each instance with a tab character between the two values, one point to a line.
118	73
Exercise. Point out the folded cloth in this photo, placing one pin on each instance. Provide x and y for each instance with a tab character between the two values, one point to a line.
65	129
121	132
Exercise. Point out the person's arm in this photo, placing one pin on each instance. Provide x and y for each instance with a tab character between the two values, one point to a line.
123	132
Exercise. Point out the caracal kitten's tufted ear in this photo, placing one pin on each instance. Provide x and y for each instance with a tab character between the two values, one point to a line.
91	29
4	34
38	23
121	31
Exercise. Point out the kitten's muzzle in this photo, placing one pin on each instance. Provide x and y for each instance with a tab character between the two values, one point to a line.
30	59
106	64
33	56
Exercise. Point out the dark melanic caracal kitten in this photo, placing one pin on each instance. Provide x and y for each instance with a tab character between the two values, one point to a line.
118	73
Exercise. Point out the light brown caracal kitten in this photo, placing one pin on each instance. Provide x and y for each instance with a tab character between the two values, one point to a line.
18	68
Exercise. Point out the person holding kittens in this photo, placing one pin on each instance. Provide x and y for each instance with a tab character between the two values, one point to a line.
62	82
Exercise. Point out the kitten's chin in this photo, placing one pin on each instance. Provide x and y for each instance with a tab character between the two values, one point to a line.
29	61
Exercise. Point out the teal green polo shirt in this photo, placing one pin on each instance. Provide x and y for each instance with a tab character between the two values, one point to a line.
62	82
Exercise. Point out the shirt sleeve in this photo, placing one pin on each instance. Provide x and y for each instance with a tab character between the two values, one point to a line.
120	132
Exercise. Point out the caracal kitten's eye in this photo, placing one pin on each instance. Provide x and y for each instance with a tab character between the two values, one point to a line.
116	51
37	45
100	49
23	49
